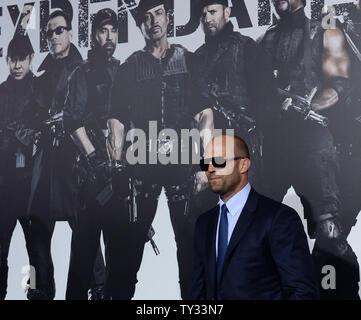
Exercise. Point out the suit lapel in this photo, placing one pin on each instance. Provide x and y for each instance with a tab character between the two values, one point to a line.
244	221
211	244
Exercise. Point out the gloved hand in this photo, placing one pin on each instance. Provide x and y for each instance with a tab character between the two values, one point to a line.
330	237
330	229
99	170
27	136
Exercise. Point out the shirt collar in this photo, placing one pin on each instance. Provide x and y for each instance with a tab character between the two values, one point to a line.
237	201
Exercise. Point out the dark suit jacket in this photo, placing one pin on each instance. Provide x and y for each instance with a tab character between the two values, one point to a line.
267	257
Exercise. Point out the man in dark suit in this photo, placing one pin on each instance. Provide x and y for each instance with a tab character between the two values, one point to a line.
249	246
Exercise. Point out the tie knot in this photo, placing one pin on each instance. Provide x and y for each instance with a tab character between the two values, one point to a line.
224	210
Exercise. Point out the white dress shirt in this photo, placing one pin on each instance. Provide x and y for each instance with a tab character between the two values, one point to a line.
235	206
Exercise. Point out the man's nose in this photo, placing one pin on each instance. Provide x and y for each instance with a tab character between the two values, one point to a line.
154	20
54	36
207	17
17	64
211	168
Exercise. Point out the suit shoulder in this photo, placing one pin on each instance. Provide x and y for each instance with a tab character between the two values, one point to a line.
206	215
274	213
274	207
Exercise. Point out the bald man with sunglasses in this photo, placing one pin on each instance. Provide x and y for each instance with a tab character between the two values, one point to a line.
248	246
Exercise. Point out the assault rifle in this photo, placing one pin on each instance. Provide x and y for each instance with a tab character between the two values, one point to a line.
54	119
239	119
304	106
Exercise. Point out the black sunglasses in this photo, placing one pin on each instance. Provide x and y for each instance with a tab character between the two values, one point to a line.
57	30
217	162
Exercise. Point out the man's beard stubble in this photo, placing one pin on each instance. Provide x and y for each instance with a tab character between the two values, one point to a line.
109	49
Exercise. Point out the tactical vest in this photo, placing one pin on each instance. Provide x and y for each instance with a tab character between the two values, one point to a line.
164	88
297	55
222	73
100	80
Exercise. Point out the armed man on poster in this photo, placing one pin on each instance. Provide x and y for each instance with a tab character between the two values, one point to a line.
53	187
311	65
86	113
345	123
16	93
234	80
155	84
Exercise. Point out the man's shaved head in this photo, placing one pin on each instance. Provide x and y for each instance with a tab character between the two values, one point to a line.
232	178
240	147
235	144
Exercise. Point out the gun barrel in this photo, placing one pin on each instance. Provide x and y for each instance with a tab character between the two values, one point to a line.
318	118
304	106
58	117
293	96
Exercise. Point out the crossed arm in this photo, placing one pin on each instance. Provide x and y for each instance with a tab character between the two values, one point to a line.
336	67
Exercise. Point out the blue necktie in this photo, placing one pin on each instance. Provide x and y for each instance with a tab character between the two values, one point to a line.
222	243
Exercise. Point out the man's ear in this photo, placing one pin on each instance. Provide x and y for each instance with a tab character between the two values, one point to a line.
31	58
227	13
71	34
245	164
